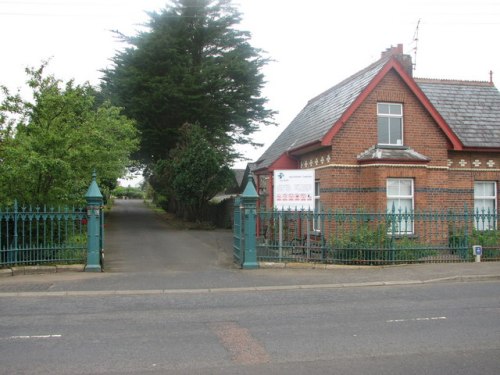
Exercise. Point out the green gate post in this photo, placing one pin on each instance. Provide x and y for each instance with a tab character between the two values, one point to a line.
249	201
94	204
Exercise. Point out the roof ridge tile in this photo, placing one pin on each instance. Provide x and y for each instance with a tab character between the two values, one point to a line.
381	61
453	82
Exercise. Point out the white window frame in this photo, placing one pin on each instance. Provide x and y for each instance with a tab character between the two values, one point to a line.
389	116
408	226
481	223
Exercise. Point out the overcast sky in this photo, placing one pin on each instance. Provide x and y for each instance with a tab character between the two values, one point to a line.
314	43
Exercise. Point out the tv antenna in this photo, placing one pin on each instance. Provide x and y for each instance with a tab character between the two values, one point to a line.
415	42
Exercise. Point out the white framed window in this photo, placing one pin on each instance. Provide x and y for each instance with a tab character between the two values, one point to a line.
400	202
317	208
390	124
485	205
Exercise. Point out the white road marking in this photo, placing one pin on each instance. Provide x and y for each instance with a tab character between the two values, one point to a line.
36	337
416	319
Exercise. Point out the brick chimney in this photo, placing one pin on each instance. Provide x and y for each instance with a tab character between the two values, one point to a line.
391	51
397	52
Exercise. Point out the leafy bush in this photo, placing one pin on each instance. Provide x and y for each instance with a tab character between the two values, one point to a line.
489	240
370	242
360	242
128	192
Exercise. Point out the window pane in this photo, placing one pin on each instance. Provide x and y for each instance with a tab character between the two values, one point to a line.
400	198
485	189
395	109
489	189
405	187
392	203
484	214
383	108
396	136
405	205
393	188
317	206
383	130
484	204
478	189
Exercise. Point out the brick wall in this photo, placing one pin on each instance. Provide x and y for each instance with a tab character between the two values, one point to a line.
446	181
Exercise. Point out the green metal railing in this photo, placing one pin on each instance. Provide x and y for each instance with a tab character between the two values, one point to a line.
355	237
238	233
41	235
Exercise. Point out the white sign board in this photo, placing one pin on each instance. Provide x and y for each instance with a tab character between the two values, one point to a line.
294	189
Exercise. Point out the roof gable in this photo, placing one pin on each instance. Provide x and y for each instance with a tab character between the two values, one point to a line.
393	64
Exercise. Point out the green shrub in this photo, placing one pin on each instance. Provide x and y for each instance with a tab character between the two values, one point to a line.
128	192
369	242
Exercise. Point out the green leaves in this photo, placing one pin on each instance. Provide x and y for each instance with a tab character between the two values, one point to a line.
57	139
196	171
193	65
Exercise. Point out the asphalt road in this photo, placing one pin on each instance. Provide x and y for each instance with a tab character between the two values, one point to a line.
138	240
451	328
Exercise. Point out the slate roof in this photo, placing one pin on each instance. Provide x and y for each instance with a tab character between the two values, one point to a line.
471	109
320	113
238	175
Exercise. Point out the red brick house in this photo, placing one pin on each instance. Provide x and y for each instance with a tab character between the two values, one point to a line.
382	137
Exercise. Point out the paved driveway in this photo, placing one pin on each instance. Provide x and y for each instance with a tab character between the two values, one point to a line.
140	240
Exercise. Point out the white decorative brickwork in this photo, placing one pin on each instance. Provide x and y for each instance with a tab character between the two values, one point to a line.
476	163
450	162
490	163
462	163
316	162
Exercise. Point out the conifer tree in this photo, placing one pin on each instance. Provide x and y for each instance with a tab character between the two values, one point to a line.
193	65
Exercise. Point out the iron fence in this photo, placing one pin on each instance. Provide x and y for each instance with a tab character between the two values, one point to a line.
238	233
356	237
41	235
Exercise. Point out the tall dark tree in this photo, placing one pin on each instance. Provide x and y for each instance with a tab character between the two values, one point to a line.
193	65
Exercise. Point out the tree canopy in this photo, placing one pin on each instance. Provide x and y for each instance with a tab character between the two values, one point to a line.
50	144
193	65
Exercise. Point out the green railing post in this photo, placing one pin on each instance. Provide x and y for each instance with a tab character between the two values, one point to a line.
466	231
249	201
237	232
393	232
94	204
15	244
